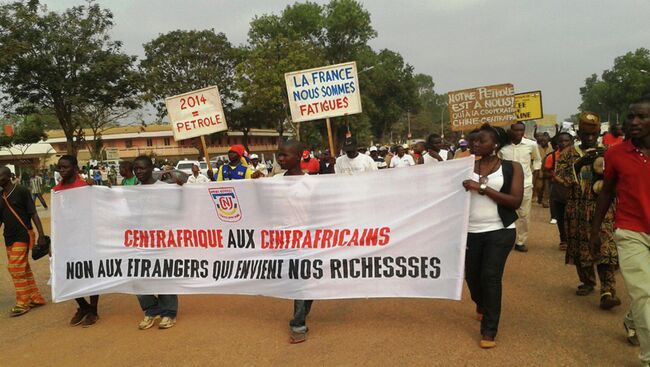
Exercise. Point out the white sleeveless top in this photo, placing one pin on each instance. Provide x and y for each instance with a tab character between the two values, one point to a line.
483	211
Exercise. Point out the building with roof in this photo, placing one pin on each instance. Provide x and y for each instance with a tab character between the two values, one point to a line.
128	142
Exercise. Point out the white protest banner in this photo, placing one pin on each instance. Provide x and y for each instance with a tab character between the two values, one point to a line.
323	92
196	113
300	237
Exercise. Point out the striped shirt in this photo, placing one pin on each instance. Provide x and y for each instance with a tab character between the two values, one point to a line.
36	184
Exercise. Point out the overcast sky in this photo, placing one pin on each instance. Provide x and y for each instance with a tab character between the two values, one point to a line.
549	45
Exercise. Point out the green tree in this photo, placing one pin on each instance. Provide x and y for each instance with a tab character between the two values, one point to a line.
62	61
611	94
28	130
183	61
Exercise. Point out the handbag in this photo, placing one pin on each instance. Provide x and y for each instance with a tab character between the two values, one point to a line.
38	251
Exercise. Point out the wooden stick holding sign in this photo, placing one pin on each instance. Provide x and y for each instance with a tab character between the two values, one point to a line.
197	113
322	93
329	137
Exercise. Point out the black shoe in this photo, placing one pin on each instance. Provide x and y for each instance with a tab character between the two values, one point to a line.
79	316
521	248
584	290
608	302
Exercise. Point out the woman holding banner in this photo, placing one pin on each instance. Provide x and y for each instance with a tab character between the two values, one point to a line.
496	189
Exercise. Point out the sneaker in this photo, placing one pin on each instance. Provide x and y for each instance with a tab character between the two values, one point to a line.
487	342
147	322
607	301
90	319
78	317
521	248
298	334
553	221
167	322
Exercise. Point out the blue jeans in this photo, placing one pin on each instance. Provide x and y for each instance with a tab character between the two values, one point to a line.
161	305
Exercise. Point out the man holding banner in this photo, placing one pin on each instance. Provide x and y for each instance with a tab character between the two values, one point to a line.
289	158
162	305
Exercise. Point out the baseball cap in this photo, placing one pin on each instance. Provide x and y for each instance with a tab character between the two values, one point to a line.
463	143
350	144
305	154
254	156
373	148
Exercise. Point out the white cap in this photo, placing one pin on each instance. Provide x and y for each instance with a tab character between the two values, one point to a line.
405	146
253	156
373	148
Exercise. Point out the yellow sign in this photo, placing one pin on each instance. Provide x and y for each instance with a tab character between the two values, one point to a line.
547	120
529	105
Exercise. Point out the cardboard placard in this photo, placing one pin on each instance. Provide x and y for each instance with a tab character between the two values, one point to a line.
196	113
471	108
323	92
529	105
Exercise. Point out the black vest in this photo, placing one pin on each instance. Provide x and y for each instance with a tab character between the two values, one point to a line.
508	216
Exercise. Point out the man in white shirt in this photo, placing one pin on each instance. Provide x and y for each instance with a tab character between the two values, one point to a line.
525	152
401	159
197	176
259	169
352	162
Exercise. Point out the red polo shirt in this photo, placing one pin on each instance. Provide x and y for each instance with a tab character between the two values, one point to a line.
79	182
631	169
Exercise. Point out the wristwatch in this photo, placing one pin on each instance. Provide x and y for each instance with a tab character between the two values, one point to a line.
481	188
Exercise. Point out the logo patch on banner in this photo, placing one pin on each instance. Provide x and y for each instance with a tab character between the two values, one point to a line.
226	202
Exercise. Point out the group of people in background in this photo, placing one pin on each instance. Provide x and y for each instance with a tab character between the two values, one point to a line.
574	175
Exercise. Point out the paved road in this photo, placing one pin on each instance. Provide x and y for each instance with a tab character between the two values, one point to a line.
543	324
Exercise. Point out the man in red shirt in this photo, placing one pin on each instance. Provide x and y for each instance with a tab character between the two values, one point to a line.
308	164
627	178
69	169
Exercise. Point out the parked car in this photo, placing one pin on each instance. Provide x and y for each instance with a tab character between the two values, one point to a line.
185	166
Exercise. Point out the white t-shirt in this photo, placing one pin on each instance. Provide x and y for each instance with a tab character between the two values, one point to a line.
361	163
404	161
483	211
428	159
198	179
261	167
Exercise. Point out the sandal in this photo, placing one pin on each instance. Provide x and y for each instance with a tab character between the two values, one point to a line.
18	310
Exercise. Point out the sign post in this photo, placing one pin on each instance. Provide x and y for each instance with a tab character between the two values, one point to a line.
322	93
197	113
471	108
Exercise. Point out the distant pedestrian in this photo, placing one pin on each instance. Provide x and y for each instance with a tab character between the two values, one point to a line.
524	151
401	159
197	176
126	171
36	185
353	161
559	192
308	164
234	169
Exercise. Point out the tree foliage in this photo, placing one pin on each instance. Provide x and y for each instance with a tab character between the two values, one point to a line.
183	61
612	93
62	61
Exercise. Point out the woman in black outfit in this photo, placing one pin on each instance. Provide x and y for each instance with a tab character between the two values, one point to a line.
496	189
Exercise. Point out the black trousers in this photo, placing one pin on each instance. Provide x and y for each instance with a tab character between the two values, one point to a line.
485	261
301	309
558	211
